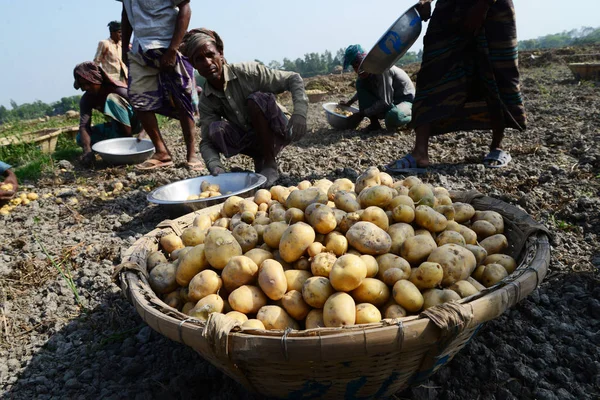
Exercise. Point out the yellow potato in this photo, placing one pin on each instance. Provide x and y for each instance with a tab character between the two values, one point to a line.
346	201
393	311
155	258
379	196
464	289
386	179
238	316
371	291
338	185
231	206
389	261
279	193
314	319
253	324
427	275
402	199
458	263
219	247
509	263
295	240
492	274
303	198
339	310
246	236
320	217
302	264
162	278
203	284
469	235
247	299
399	233
171	242
370	177
262	196
463	212
494	244
416	249
368	238
430	219
347	273
316	290
446	237
296	278
293	215
187	307
377	216
371	263
492	217
239	271
434	297
272	279
407	295
173	299
276	318
259	255
478	251
277	212
315	248
475	284
421	194
446	210
223	223
193	236
367	314
336	243
273	233
323	184
483	229
190	264
304	185
206	306
203	222
348	221
403	213
295	305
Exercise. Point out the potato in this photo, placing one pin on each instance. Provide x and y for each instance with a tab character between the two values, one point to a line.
294	215
303	198
336	243
304	185
314	319
393	311
276	318
279	193
401	200
478	251
492	274
277	257
368	238
458	263
219	247
446	210
347	273
238	316
435	297
259	255
246	236
389	261
295	279
346	201
421	194
399	233
190	264
469	235
463	212
173	299
371	291
348	221
295	240
370	177
239	271
339	310
416	249
262	196
315	248
403	213
206	306
247	299
427	275
446	237
377	216
316	290
295	305
187	307
302	264
483	229
155	258
492	217
430	219
371	263
203	284
253	324
320	217
231	206
379	196
494	244
162	278
410	181
171	242
338	185
464	289
407	295
509	263
323	184
273	233
277	213
193	236
272	279
475	284
223	223
386	179
262	208
367	314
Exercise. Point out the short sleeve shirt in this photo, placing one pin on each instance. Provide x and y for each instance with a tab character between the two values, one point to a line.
4	167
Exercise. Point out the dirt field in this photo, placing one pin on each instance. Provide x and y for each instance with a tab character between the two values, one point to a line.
547	347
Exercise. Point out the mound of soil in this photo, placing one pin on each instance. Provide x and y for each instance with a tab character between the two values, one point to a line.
56	343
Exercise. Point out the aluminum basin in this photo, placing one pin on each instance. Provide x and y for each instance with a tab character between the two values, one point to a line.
394	43
172	198
339	121
124	150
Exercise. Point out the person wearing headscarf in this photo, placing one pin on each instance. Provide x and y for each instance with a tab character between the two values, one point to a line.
386	96
109	53
161	79
238	110
108	96
469	77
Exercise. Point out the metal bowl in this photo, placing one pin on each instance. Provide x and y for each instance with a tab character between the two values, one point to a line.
124	150
339	121
394	43
173	197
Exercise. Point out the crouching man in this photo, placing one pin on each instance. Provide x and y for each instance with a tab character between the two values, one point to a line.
238	111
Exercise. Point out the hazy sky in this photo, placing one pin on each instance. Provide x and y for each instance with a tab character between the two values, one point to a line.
42	40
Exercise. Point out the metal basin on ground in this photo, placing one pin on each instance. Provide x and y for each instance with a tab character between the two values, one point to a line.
124	150
394	43
172	198
340	121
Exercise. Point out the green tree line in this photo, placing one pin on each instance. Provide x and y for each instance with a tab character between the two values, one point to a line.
37	109
574	37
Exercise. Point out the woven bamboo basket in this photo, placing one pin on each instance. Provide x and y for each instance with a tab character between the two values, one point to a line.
587	71
365	361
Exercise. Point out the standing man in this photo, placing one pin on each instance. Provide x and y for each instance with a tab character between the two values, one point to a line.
238	111
161	79
109	53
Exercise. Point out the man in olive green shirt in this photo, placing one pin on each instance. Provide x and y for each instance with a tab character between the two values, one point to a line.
238	111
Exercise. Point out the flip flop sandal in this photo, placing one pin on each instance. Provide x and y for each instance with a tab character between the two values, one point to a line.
153	164
195	166
502	157
405	165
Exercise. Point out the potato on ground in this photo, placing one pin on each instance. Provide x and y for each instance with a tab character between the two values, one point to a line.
239	271
276	318
369	178
458	262
342	184
377	216
295	305
422	194
371	291
191	264
427	275
367	313
295	240
247	299
368	238
219	247
162	278
203	284
435	297
346	201
339	310
314	319
403	213
347	273
378	196
206	306
272	279
407	295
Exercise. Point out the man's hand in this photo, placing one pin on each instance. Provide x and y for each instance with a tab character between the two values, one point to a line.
475	18
215	171
424	9
142	135
296	127
168	60
9	186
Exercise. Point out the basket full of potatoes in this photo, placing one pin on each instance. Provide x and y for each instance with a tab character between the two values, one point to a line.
335	288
